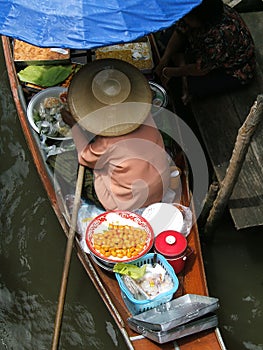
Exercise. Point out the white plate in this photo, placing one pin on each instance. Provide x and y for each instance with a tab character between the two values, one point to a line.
163	216
34	105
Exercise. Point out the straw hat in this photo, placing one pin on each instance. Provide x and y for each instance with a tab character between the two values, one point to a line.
109	97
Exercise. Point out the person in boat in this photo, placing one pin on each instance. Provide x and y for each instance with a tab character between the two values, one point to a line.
211	48
116	137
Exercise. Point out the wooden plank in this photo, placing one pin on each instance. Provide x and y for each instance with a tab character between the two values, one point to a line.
218	119
255	23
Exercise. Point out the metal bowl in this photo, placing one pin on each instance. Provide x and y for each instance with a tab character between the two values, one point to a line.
104	265
35	103
160	97
119	219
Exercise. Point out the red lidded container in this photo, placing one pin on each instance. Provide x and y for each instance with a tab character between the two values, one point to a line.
172	245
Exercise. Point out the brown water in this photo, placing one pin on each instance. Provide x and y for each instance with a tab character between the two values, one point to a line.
32	254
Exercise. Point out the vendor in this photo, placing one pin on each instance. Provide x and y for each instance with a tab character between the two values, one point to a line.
115	136
211	48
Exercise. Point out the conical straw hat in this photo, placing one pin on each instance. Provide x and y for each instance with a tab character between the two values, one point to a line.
109	97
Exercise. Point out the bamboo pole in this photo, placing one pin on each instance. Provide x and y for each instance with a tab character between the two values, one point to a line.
243	139
63	288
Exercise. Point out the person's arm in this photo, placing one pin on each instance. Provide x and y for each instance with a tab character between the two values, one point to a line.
174	46
182	71
192	69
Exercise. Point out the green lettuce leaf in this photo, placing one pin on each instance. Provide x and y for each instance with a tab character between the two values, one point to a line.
45	76
131	270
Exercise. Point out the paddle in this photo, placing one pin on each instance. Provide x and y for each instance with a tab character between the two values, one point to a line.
63	287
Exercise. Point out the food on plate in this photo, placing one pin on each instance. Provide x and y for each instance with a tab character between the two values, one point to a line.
27	52
137	53
47	116
51	102
120	241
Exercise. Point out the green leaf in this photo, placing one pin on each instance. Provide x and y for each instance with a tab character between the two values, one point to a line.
45	75
131	270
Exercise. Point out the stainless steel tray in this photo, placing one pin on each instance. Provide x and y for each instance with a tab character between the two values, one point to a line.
206	322
176	312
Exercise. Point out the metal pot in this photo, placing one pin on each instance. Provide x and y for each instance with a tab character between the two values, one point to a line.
173	246
159	98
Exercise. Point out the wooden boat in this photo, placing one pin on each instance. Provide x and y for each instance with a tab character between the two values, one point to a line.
192	279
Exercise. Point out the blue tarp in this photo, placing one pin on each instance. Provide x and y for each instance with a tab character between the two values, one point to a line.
86	24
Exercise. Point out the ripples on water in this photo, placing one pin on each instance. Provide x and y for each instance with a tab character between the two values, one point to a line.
234	265
32	248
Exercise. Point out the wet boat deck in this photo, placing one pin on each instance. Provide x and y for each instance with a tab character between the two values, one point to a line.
219	119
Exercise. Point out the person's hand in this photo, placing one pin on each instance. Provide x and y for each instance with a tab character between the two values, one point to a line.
166	75
67	117
195	70
159	68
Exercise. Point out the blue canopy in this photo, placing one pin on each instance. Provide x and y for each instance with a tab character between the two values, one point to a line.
86	24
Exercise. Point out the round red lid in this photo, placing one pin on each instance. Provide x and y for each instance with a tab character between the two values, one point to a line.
170	243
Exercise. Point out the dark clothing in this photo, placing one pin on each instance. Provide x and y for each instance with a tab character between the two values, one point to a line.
226	45
65	166
215	82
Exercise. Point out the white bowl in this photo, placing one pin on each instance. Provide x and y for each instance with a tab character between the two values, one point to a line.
35	103
163	217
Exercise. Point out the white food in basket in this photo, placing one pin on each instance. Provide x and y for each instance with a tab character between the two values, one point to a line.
155	281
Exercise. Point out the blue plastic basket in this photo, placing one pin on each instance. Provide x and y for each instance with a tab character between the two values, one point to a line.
137	306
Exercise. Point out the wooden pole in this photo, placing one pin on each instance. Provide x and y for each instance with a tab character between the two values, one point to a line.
208	203
243	139
63	288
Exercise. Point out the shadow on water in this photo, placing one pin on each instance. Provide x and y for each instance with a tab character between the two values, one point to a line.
32	255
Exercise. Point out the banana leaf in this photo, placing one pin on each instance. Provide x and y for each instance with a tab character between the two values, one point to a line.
45	76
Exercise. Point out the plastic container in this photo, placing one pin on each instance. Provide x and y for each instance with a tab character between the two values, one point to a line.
173	246
136	306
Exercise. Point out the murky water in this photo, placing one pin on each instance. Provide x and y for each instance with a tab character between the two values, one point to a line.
32	255
234	266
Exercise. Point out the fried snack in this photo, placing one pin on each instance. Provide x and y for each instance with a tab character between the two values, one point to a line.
27	52
120	241
137	54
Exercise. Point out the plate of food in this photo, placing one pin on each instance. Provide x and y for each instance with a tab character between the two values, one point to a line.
44	113
119	236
